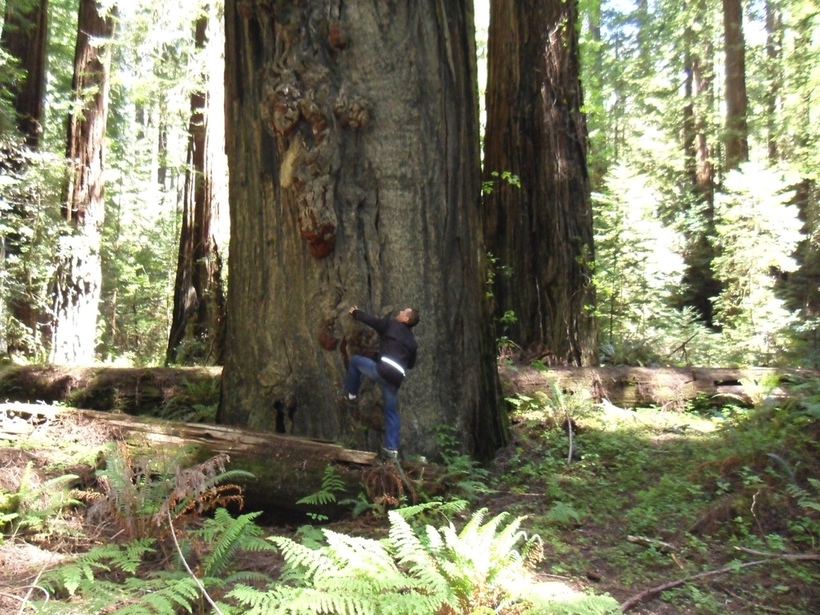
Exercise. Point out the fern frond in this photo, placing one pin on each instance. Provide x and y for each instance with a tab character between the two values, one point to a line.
355	553
416	557
302	562
444	509
257	602
80	572
234	535
332	484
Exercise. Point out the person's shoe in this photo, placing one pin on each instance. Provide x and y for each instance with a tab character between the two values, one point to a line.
343	398
389	454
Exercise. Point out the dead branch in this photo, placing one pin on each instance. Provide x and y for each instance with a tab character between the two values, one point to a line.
653	591
663	547
789	557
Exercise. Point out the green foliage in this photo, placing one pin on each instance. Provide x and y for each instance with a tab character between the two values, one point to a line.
197	402
485	566
139	494
758	231
96	579
488	187
37	505
29	230
332	484
224	537
80	575
464	477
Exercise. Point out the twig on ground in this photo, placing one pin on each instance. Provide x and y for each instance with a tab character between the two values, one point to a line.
790	557
188	568
653	591
758	607
34	586
663	547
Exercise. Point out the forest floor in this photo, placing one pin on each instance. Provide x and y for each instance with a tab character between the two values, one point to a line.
717	504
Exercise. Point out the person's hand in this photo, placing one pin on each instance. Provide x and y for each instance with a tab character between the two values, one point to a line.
352	309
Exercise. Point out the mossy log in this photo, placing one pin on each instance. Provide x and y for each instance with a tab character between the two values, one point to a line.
132	390
667	387
285	469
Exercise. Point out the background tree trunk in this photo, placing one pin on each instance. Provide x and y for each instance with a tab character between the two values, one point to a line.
774	77
737	130
352	140
198	319
78	277
541	233
25	31
699	283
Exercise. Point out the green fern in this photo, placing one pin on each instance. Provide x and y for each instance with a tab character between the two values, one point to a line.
226	537
486	567
332	484
80	574
88	577
35	506
138	495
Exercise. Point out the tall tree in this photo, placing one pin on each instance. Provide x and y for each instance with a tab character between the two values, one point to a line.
352	140
78	276
774	75
700	286
23	39
542	231
737	130
199	300
25	31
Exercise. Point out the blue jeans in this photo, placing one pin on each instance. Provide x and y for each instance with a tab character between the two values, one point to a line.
362	366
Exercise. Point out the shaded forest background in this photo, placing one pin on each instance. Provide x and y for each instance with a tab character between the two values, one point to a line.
701	163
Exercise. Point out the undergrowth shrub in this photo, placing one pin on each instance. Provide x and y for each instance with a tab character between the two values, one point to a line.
128	579
137	495
762	477
36	505
487	567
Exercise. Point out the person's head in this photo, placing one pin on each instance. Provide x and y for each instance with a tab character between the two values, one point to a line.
409	316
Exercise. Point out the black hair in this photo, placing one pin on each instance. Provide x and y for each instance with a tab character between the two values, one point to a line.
413	320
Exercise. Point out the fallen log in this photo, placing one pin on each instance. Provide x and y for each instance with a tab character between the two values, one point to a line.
667	387
132	390
285	468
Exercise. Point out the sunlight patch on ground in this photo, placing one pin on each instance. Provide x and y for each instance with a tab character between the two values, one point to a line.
612	417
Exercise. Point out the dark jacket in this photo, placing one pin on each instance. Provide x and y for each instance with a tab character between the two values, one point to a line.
396	342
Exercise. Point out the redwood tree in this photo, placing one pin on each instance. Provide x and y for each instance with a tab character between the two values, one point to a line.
540	232
352	140
700	286
198	321
78	276
25	30
737	130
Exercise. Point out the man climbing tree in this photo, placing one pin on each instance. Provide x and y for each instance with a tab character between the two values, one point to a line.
397	354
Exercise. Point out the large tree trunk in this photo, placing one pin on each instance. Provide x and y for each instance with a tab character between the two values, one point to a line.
352	139
540	232
737	130
774	77
25	31
699	283
198	324
78	276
